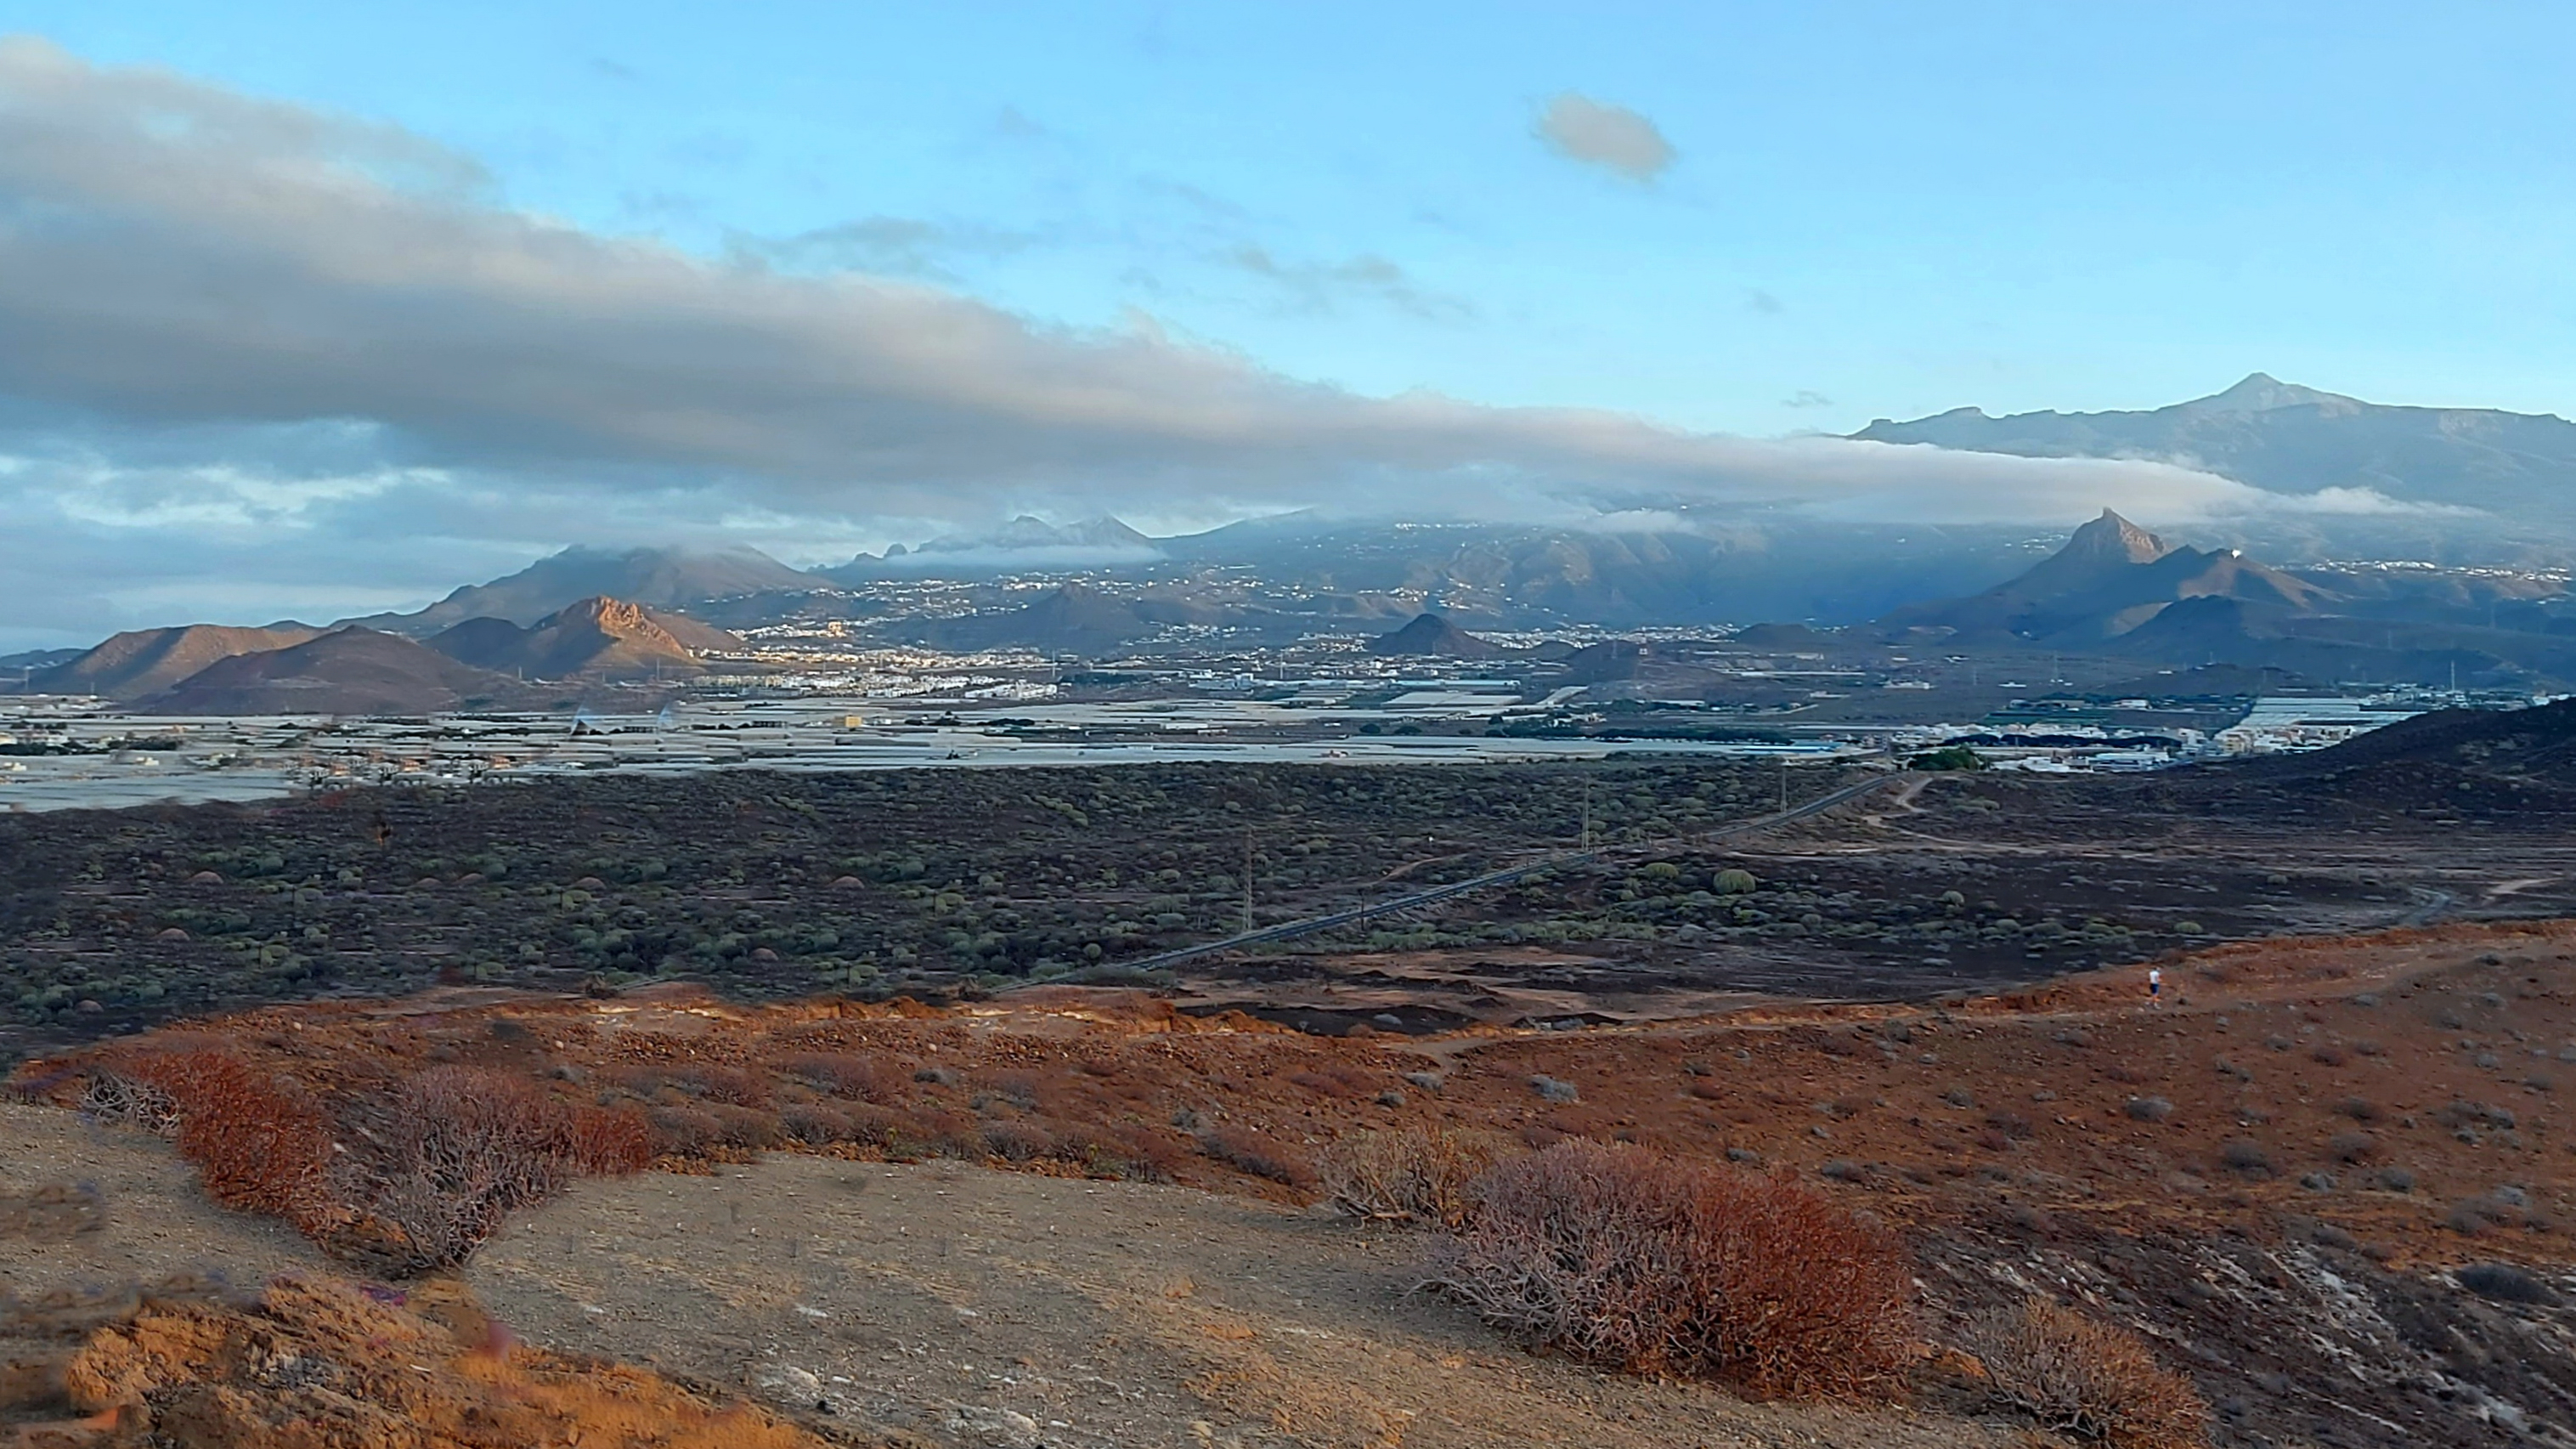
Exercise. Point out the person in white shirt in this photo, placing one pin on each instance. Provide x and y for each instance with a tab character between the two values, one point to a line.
2155	986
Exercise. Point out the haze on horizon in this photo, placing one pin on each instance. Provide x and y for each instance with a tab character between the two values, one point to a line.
304	317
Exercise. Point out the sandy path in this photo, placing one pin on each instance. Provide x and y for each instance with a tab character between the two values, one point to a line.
980	1307
155	1223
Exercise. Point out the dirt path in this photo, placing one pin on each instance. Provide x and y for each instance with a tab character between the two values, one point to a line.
140	1217
975	1307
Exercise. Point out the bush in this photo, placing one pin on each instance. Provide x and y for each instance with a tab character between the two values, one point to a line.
2246	1156
1407	1175
2087	1380
1614	1254
849	1075
470	1146
259	1147
1256	1156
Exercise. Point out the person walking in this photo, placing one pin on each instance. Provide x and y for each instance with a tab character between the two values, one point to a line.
2155	986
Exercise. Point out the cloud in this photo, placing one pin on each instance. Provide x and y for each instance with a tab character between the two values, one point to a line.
1612	137
2363	503
1319	287
891	246
1806	398
267	334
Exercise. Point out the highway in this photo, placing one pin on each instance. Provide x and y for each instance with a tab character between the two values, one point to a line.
1505	876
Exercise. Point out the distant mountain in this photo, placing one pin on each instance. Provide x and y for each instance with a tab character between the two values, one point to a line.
347	671
2110	578
1025	532
145	661
1024	543
34	659
1071	619
662	578
597	638
1429	635
2297	439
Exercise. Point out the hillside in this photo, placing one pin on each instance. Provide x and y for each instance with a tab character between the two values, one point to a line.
141	662
598	638
2297	439
347	671
660	578
2509	748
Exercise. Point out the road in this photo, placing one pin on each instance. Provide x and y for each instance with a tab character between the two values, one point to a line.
1505	876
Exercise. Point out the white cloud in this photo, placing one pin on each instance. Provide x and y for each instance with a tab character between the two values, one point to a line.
1615	138
240	338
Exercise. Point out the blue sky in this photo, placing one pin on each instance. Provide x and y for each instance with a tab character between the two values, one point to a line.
1899	208
318	309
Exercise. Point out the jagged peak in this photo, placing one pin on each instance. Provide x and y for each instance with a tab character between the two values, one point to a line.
2113	538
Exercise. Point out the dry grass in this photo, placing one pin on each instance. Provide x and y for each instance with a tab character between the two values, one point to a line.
319	1365
1617	1255
2087	1380
1408	1174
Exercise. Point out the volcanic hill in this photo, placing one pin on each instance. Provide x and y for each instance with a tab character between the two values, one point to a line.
140	662
347	671
596	638
1432	635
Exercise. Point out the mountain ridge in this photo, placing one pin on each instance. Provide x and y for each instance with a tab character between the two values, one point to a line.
2294	439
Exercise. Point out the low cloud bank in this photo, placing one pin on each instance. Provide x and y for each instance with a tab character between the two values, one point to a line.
252	325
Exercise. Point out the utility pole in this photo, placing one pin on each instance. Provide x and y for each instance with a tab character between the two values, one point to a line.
1583	841
1784	784
1247	880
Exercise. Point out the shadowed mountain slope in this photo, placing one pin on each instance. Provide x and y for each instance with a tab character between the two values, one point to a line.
347	671
2111	578
661	578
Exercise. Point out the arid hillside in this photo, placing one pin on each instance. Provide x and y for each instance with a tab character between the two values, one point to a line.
2326	1179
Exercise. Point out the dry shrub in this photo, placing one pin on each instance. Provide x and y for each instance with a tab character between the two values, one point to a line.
1333	1079
697	1129
1122	1153
2086	1379
1018	1141
1254	1155
1410	1174
259	1145
816	1124
1614	1254
129	1102
468	1146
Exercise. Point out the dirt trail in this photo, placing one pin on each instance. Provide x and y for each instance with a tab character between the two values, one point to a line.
977	1307
151	1221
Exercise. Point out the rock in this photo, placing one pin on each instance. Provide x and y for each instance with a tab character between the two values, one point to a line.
995	1428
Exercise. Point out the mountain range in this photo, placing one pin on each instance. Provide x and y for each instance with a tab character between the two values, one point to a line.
658	578
2117	590
2292	439
143	662
351	669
